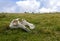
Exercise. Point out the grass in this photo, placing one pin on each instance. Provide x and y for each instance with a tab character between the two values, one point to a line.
47	27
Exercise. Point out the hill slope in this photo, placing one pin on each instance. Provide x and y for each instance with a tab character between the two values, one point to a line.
47	27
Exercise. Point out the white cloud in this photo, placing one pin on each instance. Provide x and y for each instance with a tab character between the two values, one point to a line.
51	6
31	6
9	9
46	10
28	5
34	6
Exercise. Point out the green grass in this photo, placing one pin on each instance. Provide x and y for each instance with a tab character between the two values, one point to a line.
47	27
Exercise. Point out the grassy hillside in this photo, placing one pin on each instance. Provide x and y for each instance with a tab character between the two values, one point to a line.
47	27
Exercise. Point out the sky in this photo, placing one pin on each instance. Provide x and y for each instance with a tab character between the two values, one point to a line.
42	6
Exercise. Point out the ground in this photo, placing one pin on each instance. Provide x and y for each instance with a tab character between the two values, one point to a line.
47	27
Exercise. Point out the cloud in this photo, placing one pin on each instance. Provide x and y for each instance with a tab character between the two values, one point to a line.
50	6
9	9
39	6
46	10
7	6
28	5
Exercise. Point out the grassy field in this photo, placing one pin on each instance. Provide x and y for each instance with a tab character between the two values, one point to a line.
47	27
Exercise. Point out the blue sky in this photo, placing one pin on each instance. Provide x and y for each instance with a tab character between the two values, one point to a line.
30	6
